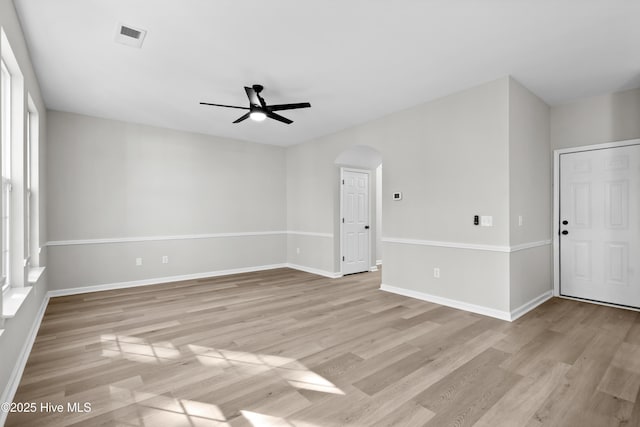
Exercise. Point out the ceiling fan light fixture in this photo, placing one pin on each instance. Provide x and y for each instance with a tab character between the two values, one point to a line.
257	115
258	109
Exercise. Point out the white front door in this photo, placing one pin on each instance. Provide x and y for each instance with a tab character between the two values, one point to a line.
600	225
355	221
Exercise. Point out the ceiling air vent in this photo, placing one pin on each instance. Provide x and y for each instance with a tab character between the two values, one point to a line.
130	32
130	36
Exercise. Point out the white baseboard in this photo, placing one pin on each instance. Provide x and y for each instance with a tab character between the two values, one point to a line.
378	262
169	279
312	270
479	309
373	268
16	375
159	280
530	305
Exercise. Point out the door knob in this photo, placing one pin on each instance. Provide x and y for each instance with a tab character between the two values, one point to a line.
565	232
366	227
565	222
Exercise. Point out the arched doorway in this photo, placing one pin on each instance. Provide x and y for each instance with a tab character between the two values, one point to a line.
360	214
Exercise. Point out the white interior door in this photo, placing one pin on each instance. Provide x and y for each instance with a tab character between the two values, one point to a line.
600	225
355	222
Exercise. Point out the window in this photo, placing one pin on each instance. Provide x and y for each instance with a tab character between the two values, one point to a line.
5	106
19	188
27	223
31	186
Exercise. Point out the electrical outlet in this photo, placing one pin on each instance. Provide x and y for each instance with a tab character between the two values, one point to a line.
436	272
298	251
165	259
519	220
486	221
138	262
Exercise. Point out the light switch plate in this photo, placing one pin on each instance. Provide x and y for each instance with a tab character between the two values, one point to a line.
486	221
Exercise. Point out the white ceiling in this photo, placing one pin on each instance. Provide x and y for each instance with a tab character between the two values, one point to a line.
354	60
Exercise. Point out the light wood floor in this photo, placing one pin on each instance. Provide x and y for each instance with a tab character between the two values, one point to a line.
286	348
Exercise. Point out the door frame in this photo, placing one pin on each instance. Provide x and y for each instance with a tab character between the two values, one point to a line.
342	171
556	206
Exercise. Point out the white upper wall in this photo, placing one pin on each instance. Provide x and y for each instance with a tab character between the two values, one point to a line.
530	191
605	118
449	157
530	186
111	179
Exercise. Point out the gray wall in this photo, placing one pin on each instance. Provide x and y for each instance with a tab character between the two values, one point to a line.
450	159
605	118
114	180
530	194
16	334
482	151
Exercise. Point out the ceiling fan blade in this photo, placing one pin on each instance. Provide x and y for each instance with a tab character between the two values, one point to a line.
245	117
222	105
279	118
253	96
280	107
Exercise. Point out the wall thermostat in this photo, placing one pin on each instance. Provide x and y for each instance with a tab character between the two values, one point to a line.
397	196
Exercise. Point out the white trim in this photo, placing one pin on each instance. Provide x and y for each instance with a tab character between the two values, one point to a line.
530	305
614	144
485	311
479	309
471	246
183	237
16	374
160	280
373	268
13	299
169	279
312	270
34	274
555	223
161	238
310	233
556	200
530	245
378	262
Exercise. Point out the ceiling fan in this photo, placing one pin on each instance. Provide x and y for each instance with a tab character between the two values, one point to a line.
259	110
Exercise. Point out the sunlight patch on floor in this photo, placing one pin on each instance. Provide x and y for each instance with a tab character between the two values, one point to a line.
154	410
262	420
292	371
137	349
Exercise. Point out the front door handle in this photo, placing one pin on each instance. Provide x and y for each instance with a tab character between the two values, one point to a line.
565	232
366	227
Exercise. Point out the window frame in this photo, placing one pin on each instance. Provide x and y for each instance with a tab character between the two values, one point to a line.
6	112
31	216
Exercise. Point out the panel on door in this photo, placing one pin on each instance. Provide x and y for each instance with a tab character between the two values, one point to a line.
355	226
600	225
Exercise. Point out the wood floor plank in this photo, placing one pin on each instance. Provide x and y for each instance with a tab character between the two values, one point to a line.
288	348
519	404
